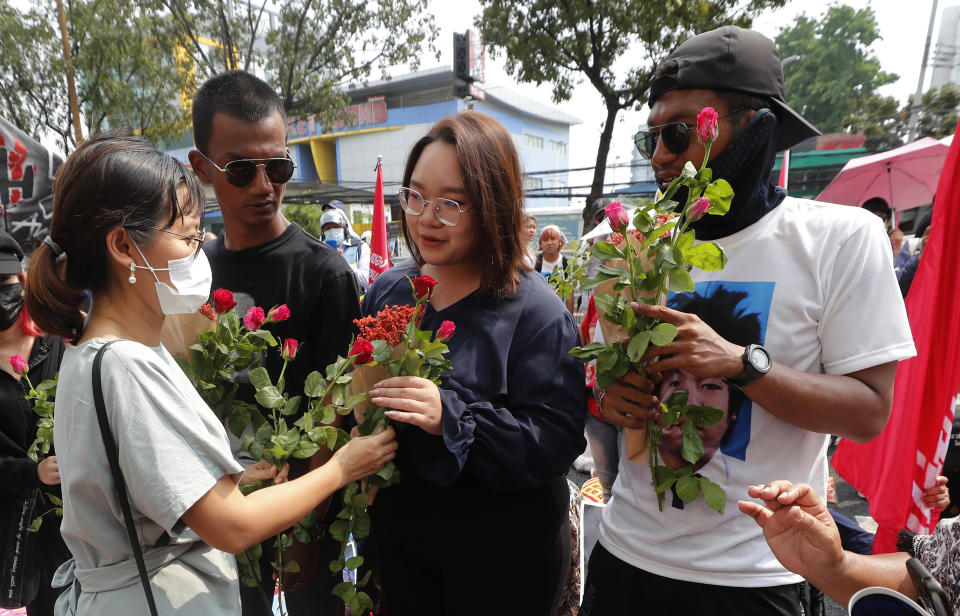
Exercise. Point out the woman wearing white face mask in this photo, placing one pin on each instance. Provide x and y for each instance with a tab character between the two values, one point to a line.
126	226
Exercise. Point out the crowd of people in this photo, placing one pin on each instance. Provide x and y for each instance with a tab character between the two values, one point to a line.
778	340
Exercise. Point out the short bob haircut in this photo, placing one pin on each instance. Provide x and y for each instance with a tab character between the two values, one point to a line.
494	182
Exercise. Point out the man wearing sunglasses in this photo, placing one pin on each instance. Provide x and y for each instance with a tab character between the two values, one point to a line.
821	365
239	129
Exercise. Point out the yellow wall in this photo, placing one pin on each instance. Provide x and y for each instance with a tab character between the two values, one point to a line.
325	159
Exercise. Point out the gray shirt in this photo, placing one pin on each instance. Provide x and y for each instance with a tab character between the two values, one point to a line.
172	450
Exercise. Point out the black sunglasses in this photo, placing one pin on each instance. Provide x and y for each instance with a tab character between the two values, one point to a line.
676	136
241	172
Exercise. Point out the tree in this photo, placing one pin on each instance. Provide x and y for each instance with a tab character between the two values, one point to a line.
829	70
886	125
563	43
312	48
126	72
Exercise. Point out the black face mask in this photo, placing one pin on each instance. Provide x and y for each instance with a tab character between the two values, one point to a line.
746	163
11	303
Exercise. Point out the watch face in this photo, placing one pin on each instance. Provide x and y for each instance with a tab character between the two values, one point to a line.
759	359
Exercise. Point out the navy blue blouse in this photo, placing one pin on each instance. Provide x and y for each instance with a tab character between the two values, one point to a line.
514	403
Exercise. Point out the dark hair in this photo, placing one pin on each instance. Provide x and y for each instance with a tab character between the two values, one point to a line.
877	205
112	180
721	311
235	93
492	177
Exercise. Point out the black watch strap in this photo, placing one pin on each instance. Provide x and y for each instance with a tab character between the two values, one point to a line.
756	363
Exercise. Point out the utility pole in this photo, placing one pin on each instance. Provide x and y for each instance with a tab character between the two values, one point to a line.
71	86
917	98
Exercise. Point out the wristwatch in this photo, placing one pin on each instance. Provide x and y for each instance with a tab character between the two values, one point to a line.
756	363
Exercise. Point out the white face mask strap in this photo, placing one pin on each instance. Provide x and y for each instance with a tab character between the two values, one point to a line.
152	269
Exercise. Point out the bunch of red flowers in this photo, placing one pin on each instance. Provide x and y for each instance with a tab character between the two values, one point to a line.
389	324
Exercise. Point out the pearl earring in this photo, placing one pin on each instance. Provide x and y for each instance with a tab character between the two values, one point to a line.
133	275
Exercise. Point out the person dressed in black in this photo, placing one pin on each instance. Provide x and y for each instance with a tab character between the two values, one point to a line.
479	521
45	550
240	135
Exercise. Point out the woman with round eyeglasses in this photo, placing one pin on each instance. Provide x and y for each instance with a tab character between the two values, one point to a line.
121	211
479	522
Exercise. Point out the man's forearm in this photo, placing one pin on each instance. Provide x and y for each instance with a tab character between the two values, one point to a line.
862	571
855	406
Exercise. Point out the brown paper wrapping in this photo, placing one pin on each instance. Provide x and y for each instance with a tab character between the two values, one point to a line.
635	440
181	330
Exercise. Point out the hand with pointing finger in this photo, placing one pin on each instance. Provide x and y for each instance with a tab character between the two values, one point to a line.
697	349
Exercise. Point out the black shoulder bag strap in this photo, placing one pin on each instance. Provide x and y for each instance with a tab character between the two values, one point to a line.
111	447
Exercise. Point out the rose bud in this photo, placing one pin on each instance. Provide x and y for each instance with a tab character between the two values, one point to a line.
254	319
616	215
290	346
423	287
698	209
446	330
18	363
707	125
361	351
280	313
223	300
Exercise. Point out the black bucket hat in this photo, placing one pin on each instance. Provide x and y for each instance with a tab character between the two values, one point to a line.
10	255
732	58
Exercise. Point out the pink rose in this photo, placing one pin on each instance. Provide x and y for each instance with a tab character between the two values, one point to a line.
361	351
254	319
223	301
616	214
289	348
19	363
280	313
698	209
423	287
446	330
707	125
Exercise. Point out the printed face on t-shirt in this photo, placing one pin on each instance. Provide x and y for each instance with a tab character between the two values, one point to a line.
712	392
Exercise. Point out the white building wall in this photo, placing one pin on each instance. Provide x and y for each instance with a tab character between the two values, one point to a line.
358	156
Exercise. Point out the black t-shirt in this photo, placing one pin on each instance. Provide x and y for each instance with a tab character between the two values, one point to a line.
308	276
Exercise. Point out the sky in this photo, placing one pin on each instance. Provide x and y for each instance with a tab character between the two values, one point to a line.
900	51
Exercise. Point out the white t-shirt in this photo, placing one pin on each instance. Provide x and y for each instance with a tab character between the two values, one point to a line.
819	279
547	267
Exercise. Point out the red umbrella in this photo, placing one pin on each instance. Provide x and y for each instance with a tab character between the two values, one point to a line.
904	177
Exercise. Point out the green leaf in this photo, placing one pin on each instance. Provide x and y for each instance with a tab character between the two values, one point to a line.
265	336
260	378
595	281
721	196
362	525
638	346
704	415
354	562
313	386
685	241
663	478
238	421
662	334
588	352
707	256
305	449
688	488
714	495
35	524
382	351
605	251
301	534
680	281
691	448
291	567
269	397
339	530
292	405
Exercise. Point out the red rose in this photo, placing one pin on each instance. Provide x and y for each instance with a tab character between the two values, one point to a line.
19	363
361	351
616	214
289	348
423	287
698	209
707	125
446	330
280	313
223	300
254	318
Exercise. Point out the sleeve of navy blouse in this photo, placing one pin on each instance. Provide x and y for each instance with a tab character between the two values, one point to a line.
530	437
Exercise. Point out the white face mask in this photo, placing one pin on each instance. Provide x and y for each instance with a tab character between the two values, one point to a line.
336	235
191	279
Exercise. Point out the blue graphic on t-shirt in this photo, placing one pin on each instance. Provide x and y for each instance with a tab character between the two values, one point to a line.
738	312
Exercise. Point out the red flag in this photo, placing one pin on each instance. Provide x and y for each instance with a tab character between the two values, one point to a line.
784	169
379	248
893	469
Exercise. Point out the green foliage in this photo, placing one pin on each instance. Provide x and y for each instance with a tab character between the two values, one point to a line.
312	48
567	281
566	43
831	72
887	126
307	215
127	73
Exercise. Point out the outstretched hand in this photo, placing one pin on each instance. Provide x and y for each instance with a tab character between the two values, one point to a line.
697	349
797	526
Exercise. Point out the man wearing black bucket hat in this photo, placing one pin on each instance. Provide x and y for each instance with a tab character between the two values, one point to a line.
821	364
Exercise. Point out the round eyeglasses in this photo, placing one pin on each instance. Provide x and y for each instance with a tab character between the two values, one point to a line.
448	211
198	238
241	172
